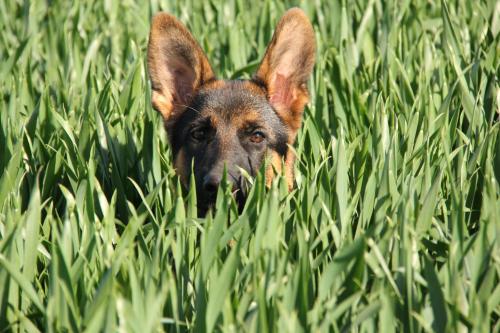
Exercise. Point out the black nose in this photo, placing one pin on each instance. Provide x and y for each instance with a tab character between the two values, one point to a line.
211	183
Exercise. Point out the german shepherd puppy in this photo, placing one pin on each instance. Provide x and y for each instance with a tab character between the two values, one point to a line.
216	124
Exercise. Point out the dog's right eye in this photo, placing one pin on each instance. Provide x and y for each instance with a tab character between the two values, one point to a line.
199	134
257	137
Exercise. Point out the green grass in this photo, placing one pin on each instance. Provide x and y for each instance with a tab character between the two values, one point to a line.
394	224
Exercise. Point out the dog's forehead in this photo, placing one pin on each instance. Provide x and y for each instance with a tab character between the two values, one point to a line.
230	100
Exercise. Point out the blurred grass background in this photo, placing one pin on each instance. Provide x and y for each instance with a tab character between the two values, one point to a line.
394	222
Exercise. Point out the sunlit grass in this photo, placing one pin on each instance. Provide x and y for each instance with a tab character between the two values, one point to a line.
393	224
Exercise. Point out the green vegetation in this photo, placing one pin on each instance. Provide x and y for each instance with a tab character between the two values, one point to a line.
394	222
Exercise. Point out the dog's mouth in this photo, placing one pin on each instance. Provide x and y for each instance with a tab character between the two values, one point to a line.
207	201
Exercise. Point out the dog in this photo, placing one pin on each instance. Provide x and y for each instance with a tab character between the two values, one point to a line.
233	125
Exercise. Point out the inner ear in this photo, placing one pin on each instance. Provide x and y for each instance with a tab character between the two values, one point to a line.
287	65
177	65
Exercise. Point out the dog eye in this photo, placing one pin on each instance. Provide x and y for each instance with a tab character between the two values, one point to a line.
257	137
199	134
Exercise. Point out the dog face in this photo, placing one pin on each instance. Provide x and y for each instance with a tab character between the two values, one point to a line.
227	125
214	124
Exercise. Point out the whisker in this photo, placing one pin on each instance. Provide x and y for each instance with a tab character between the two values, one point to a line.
188	107
236	180
252	171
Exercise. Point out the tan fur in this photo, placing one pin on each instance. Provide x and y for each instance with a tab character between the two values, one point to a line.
254	88
289	168
248	117
215	84
273	168
181	167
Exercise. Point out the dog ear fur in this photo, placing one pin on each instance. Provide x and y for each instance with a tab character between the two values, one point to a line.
177	65
287	65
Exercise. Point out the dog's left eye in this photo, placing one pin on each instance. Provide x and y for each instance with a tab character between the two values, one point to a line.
199	134
257	137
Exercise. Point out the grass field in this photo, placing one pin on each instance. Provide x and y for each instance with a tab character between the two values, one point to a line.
394	224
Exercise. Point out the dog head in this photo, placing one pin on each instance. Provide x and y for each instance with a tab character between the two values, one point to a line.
215	125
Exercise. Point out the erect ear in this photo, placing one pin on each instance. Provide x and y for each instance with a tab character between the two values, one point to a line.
177	65
287	65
